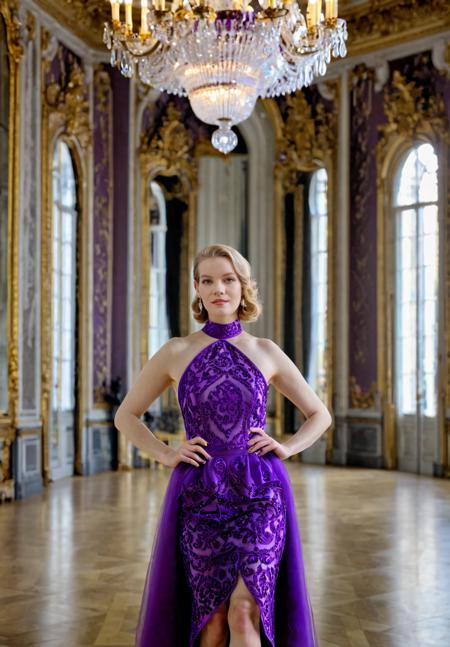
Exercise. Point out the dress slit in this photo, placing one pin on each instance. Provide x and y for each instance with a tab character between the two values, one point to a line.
268	642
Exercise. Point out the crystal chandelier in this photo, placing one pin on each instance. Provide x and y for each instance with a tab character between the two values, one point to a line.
225	54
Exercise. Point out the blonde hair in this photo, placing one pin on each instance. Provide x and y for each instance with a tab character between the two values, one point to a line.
252	307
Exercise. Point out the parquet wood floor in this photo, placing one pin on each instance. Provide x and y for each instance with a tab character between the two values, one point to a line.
376	547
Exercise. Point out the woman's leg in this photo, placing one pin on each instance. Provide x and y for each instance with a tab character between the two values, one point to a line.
243	617
215	632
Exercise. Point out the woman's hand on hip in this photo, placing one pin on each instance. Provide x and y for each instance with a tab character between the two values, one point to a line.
262	443
191	451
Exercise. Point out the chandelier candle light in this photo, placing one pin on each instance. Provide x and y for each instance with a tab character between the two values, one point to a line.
225	54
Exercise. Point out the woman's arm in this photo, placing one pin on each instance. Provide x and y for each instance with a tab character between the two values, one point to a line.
153	380
288	380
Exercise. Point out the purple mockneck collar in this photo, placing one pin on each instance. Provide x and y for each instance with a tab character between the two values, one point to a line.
222	331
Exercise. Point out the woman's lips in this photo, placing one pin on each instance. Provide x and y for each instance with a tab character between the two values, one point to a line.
219	303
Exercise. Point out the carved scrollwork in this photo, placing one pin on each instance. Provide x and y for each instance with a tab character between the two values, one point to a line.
306	138
409	109
360	399
170	149
14	29
69	106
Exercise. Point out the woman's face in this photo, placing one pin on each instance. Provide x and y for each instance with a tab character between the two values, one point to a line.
219	288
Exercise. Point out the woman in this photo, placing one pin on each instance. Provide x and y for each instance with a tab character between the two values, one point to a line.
226	563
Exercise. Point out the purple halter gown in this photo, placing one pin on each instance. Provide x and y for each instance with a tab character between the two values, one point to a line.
233	515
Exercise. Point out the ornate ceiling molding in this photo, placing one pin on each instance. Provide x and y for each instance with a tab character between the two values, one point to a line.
382	23
372	24
84	18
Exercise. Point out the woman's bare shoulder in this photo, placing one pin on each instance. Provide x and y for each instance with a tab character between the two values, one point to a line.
264	344
176	345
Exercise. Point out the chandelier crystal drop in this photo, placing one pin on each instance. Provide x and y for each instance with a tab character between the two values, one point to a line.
225	54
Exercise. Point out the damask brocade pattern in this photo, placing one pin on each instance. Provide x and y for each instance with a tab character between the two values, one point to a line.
232	511
365	117
232	524
222	394
102	263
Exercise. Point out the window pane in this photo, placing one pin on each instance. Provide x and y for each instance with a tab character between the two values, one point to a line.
430	356
63	280
317	199
408	252
408	358
66	386
67	286
322	232
429	317
407	394
417	279
407	286
430	250
158	332
407	181
430	282
427	173
407	349
407	219
429	217
430	394
67	310
56	255
67	258
67	222
56	343
67	343
407	319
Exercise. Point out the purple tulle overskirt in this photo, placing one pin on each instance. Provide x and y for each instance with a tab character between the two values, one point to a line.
165	614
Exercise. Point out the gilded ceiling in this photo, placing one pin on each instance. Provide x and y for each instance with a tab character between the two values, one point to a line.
372	23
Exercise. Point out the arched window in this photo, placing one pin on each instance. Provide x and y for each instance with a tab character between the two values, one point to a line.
159	323
317	200
415	208
64	240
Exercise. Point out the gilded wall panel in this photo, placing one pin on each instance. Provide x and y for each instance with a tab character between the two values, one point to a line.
12	50
366	115
29	208
102	226
306	141
66	115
